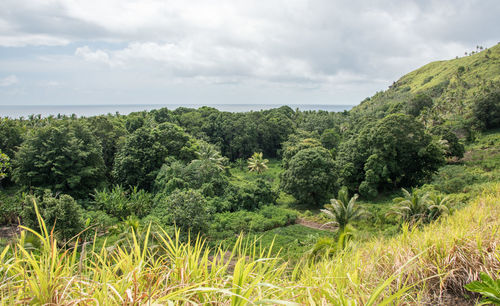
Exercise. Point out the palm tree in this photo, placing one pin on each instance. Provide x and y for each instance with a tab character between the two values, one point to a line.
343	209
412	207
257	163
209	157
438	206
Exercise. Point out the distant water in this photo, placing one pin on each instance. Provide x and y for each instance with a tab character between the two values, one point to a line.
16	111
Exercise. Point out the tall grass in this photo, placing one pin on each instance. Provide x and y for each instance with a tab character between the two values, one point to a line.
420	265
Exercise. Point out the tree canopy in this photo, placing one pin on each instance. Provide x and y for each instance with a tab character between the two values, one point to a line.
310	176
63	156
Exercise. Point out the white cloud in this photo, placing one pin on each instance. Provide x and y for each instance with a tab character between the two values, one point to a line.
323	45
91	56
9	81
31	40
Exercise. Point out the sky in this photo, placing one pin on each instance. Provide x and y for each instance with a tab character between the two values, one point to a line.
70	52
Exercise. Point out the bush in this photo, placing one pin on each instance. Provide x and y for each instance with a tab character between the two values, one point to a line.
251	196
121	203
98	220
62	213
454	178
10	209
187	209
228	224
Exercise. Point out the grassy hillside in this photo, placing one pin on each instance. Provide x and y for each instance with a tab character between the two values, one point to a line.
452	84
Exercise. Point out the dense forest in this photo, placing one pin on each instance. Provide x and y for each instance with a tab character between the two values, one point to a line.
314	188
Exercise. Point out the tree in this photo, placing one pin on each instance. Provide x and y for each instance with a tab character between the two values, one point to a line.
343	209
62	156
257	163
110	133
486	110
4	166
209	157
439	205
416	207
330	139
61	213
296	142
418	103
186	209
449	141
144	152
311	176
10	136
395	152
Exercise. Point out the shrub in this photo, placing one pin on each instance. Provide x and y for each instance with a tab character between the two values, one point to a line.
251	196
98	220
454	178
10	209
121	203
61	212
228	224
187	209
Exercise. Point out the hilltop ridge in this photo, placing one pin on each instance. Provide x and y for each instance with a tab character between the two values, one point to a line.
452	85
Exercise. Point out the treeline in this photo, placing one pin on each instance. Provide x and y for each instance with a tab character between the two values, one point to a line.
172	166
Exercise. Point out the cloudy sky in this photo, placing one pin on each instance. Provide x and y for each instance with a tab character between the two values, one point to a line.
224	52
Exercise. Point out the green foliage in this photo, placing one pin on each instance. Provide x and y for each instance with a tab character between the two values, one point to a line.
328	246
257	163
145	150
395	152
110	133
330	139
418	103
343	210
63	156
11	136
187	209
250	196
227	224
10	206
487	287
121	203
455	178
453	86
61	212
296	142
449	141
311	176
206	174
98	220
486	110
4	166
417	207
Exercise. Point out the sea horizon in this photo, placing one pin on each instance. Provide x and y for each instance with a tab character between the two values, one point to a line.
87	110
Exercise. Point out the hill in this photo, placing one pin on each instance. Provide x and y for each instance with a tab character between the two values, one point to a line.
453	85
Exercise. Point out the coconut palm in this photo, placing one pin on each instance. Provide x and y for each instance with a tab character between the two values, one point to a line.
210	157
343	209
411	207
257	163
438	206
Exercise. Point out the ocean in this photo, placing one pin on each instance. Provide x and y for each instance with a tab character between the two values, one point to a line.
17	111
